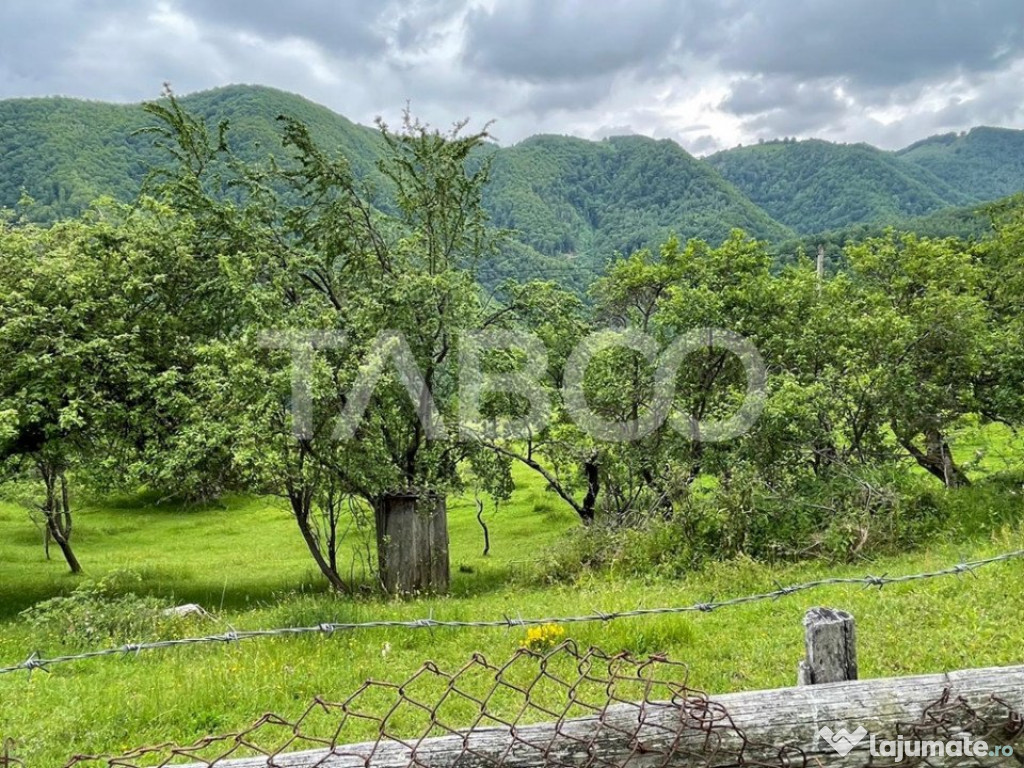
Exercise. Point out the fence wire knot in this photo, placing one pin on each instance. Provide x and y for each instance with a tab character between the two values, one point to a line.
33	663
876	581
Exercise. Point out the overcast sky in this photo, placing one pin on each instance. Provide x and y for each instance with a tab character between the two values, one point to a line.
707	73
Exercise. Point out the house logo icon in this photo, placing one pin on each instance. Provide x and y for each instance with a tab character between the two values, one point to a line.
842	742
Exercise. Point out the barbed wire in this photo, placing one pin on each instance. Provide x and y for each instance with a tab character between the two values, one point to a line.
37	662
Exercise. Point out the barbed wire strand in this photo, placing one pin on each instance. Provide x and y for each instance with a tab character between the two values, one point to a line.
36	662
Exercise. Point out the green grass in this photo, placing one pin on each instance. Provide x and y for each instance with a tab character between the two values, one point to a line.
246	562
989	449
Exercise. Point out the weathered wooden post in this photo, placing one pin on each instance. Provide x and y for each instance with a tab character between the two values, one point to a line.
831	644
412	543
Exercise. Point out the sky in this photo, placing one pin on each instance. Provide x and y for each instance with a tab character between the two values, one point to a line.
709	74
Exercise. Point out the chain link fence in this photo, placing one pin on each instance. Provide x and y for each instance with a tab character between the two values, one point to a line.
586	709
569	707
566	707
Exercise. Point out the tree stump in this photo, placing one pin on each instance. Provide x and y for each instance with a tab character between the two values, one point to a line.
412	543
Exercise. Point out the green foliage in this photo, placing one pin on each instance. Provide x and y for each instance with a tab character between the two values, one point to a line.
814	186
971	223
312	256
98	321
584	202
63	153
107	611
573	205
845	518
986	163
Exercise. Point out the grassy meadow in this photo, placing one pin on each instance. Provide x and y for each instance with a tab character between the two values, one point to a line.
244	561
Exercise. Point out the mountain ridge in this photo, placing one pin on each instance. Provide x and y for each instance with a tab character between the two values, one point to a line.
574	202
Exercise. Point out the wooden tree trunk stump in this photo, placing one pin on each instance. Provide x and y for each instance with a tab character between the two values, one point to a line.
412	543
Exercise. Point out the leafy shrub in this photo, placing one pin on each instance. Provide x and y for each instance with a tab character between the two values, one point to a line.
841	518
103	611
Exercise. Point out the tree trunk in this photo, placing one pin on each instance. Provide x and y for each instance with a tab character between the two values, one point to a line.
592	470
302	509
57	511
65	548
937	459
412	542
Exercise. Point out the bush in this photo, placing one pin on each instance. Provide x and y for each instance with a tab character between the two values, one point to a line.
543	638
841	518
104	611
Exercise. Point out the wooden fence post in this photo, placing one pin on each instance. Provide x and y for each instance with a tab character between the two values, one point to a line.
831	644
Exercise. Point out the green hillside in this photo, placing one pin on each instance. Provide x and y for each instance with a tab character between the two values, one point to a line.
588	200
969	222
814	186
984	162
64	153
572	203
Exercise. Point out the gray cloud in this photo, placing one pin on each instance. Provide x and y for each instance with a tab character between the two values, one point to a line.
782	106
851	70
758	95
541	40
343	24
872	42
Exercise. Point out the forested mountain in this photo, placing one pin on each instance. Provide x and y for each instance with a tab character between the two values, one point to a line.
970	222
985	162
572	203
585	200
813	186
63	153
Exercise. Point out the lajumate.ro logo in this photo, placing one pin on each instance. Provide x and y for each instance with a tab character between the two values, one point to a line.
899	749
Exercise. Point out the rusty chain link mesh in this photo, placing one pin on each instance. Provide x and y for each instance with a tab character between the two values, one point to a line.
567	707
7	759
951	717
